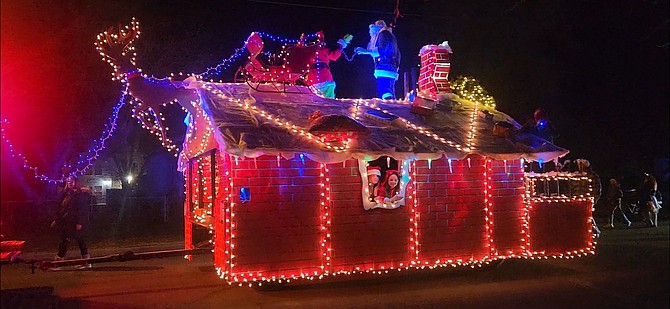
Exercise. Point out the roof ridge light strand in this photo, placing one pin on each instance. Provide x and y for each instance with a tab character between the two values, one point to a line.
277	120
470	139
419	129
191	129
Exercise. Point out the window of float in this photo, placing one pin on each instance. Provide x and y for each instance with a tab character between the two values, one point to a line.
202	187
569	185
383	182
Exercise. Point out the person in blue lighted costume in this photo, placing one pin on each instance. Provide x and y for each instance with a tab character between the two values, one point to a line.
541	126
383	48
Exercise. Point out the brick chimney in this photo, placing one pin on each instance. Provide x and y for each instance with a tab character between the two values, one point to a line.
433	77
435	67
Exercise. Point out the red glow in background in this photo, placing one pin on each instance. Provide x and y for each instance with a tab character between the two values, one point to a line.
55	100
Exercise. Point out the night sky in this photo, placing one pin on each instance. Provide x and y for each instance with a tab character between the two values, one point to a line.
600	68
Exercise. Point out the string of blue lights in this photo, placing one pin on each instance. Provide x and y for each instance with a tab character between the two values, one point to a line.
86	161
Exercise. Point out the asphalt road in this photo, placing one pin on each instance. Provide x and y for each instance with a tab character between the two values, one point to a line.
629	270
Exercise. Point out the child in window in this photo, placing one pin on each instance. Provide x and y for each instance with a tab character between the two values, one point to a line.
390	192
374	179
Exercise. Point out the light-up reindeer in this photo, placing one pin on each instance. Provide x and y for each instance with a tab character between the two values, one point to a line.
116	47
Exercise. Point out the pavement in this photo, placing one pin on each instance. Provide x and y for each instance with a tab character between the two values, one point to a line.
101	250
629	270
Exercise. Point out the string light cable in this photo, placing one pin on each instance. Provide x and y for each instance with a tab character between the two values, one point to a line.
126	36
84	162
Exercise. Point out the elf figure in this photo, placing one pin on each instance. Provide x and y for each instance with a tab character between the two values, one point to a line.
318	74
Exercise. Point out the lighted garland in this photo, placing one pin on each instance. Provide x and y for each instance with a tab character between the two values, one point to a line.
84	163
415	262
326	205
126	36
470	139
469	88
279	121
357	102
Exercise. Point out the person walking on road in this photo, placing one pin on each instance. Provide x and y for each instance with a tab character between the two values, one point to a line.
613	201
648	200
72	218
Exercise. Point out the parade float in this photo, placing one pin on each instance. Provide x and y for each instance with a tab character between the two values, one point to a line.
284	178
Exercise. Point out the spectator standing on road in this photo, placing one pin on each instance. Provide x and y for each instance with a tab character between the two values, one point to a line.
72	218
613	201
648	201
584	167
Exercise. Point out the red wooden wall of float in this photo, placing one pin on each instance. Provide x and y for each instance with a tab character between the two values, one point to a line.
306	219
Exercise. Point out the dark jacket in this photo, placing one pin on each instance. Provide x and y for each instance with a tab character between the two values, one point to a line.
613	197
75	206
389	54
544	129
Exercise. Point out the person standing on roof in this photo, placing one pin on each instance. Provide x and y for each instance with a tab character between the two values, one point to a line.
318	74
383	48
541	126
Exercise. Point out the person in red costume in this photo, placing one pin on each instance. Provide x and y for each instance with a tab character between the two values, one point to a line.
318	73
374	177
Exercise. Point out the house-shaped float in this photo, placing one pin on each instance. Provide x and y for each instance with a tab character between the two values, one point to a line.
284	179
286	195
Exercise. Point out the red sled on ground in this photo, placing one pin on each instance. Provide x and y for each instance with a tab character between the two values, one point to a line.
10	250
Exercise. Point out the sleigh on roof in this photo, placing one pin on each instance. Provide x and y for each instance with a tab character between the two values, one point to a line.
284	70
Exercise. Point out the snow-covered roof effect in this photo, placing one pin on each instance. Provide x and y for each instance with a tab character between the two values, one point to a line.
275	120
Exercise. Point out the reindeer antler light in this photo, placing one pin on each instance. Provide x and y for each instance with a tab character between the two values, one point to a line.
117	49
